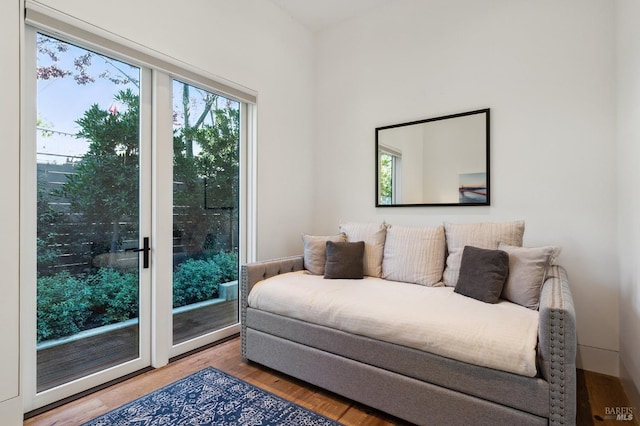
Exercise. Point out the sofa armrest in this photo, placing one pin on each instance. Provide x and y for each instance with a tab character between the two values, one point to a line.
252	273
557	346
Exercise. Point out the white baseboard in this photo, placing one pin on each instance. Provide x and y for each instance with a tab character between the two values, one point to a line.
630	388
603	361
11	412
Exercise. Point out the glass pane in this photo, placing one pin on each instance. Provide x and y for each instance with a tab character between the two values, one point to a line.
386	178
88	184
205	211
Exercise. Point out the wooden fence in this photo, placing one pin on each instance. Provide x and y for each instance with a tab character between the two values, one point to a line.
74	242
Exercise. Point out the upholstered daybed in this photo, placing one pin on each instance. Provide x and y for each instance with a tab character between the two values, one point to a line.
430	329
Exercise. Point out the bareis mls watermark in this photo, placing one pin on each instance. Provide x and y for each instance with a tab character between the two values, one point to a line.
618	413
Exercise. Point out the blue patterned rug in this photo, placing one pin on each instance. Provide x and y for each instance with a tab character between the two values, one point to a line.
210	397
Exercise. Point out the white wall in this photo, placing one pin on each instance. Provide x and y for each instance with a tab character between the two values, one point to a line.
407	141
10	402
451	150
546	69
254	44
628	16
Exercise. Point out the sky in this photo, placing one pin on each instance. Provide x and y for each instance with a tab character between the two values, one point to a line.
62	101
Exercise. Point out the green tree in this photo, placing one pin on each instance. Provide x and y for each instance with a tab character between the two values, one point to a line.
103	191
386	172
211	175
208	120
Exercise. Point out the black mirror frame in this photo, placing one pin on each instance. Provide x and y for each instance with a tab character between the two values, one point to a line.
463	114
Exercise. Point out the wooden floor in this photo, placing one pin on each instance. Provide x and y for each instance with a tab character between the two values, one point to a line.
595	392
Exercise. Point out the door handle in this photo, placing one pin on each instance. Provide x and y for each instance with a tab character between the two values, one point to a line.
145	252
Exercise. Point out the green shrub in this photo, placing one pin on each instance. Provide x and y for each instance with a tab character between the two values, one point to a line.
69	304
228	264
113	295
63	306
197	280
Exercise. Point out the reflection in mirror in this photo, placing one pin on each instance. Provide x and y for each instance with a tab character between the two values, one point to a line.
437	161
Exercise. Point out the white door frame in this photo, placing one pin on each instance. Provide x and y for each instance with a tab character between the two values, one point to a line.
156	155
28	231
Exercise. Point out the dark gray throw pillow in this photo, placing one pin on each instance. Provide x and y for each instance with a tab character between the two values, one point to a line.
344	260
483	273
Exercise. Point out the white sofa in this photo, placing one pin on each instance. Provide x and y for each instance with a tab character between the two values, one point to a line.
431	328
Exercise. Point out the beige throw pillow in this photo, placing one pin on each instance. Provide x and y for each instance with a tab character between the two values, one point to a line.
314	251
414	255
482	235
373	235
527	271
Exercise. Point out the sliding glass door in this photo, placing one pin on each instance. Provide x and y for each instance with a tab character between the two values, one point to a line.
206	184
132	215
92	215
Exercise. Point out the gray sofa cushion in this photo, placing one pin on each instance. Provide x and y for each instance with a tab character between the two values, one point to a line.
530	394
417	401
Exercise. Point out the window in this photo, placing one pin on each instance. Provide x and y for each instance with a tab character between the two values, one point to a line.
88	211
206	214
389	164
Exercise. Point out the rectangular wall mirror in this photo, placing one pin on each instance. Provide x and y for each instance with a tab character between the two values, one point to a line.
440	161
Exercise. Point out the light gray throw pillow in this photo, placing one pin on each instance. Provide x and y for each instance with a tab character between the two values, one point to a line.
373	235
527	272
484	235
414	254
314	251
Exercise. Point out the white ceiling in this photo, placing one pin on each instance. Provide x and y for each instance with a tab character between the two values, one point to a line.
320	14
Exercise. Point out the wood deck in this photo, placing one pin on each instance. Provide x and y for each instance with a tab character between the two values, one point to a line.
66	362
190	324
595	392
